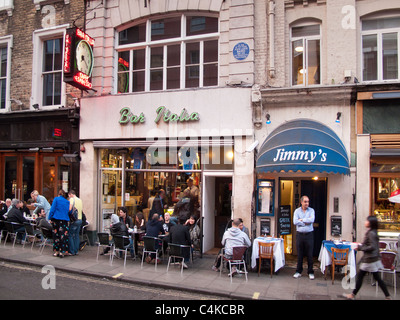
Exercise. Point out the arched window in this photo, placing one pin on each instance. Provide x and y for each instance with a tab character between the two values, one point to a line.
305	54
169	53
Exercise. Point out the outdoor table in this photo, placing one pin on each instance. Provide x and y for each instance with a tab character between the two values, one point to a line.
325	255
279	253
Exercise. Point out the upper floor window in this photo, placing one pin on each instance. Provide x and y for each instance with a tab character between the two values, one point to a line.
171	53
305	55
5	71
380	49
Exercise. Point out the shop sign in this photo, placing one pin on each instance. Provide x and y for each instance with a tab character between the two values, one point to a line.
162	114
300	155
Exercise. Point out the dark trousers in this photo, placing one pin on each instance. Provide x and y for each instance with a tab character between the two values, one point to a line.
360	277
305	244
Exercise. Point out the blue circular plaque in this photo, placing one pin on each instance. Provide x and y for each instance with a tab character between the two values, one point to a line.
241	51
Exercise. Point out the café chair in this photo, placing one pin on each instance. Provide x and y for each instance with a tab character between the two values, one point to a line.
83	233
237	260
11	231
340	257
383	245
47	238
266	251
121	244
31	233
389	266
104	242
178	251
150	245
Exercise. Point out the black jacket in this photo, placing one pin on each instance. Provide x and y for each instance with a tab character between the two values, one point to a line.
15	215
179	234
154	228
370	247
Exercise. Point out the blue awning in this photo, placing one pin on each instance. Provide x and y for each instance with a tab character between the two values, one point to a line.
303	145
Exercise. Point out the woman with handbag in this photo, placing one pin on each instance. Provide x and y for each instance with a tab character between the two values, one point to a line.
75	204
59	219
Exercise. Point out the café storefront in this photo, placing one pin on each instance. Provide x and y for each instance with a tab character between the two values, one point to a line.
136	145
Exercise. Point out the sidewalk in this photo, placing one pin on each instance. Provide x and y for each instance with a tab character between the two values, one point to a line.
198	278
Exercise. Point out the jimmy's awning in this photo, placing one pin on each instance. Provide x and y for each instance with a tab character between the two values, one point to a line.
303	145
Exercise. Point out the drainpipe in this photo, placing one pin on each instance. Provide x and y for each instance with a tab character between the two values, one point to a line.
271	18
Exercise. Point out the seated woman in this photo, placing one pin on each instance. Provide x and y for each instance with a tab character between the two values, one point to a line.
140	221
194	232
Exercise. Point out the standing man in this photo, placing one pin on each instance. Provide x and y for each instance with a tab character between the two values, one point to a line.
40	201
303	219
195	195
74	227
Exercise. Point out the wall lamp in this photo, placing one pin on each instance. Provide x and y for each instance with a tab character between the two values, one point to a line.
338	115
36	106
268	118
72	157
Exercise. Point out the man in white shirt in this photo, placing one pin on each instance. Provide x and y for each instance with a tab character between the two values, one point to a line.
303	219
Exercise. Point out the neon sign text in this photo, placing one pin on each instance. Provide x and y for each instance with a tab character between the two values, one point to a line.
83	79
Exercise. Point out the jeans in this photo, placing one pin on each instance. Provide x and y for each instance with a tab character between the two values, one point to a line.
74	240
305	244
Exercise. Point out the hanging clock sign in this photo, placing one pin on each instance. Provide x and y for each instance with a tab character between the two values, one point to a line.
78	59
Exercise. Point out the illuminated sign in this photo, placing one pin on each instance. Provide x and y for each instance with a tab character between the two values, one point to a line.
78	59
57	133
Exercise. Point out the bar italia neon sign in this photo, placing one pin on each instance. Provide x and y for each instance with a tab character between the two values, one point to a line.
78	59
162	114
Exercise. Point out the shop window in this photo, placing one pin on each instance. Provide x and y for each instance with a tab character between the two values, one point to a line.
381	116
380	49
150	59
305	52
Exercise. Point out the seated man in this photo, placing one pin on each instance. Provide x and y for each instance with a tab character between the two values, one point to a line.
179	234
15	215
233	237
117	228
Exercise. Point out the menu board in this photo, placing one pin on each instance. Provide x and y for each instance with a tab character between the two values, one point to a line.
284	220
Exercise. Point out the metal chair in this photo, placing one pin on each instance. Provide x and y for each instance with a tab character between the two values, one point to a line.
389	266
83	233
47	236
339	258
31	233
11	230
266	251
104	242
178	251
121	244
237	259
383	245
150	245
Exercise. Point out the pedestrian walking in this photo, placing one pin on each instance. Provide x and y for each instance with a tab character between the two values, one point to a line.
371	260
59	220
75	226
303	219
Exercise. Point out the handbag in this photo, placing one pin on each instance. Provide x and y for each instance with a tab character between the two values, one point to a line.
73	213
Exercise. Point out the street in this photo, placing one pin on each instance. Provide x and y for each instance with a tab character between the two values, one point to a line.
23	282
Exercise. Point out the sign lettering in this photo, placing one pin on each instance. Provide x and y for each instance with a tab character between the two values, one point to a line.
162	114
309	156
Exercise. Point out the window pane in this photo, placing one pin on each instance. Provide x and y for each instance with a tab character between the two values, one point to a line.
192	76
193	53
156	57
384	23
156	79
3	66
57	88
313	67
123	72
192	65
166	28
210	74
297	62
370	58
139	57
57	54
201	25
305	31
52	89
174	55
138	81
48	55
390	56
133	35
211	51
3	94
173	78
49	178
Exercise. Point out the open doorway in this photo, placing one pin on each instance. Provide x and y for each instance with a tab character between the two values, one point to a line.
217	210
291	190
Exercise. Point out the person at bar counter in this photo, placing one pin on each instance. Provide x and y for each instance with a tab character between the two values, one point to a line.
185	206
371	260
303	219
159	204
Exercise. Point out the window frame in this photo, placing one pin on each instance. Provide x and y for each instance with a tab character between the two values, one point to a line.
164	43
305	40
7	42
39	38
379	38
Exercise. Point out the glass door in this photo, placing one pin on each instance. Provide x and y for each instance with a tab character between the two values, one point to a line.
111	198
10	177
